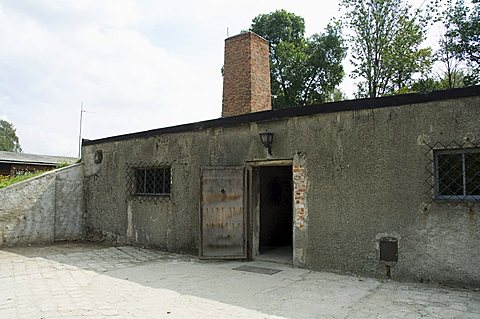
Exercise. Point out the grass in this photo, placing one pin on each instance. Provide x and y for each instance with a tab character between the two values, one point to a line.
7	180
62	164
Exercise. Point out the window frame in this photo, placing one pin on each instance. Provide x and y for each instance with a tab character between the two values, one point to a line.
164	169
464	197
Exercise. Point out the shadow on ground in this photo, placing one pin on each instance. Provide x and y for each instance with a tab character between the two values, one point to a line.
285	292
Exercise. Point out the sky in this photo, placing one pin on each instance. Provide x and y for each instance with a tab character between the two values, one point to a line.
135	65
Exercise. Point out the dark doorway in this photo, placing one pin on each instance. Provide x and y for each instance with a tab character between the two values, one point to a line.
276	218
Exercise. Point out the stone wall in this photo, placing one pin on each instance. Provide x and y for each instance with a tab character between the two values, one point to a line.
43	209
69	204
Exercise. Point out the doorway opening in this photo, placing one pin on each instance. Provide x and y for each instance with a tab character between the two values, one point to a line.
275	214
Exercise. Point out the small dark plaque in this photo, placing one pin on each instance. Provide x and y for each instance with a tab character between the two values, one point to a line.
98	157
388	249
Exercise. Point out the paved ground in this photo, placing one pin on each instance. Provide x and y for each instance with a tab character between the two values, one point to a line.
92	281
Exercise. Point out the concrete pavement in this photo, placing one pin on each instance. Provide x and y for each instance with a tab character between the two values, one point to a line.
79	280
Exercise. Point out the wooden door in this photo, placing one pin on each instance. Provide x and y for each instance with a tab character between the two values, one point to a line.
222	213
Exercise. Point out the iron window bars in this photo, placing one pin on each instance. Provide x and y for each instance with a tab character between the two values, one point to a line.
456	172
149	181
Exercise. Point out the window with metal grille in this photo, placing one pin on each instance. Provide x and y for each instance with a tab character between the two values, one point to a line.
457	174
152	181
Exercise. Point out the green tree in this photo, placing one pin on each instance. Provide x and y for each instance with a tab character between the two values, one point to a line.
462	23
336	95
385	38
302	70
8	138
451	70
425	84
428	83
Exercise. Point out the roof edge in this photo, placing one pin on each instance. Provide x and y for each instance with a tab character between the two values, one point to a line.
330	107
28	162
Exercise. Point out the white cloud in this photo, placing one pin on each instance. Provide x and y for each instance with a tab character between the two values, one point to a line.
136	64
50	66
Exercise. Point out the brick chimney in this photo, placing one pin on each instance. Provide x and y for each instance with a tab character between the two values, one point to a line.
246	75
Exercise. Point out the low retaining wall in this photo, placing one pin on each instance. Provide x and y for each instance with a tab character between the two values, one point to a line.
43	209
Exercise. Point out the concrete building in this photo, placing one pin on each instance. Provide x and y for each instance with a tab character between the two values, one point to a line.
378	187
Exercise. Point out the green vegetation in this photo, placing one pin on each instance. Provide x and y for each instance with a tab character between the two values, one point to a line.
302	70
7	180
457	58
461	42
62	164
8	137
384	39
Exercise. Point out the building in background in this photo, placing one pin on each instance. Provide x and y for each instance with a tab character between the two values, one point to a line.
12	163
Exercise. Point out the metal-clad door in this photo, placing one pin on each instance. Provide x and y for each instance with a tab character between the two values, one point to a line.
222	214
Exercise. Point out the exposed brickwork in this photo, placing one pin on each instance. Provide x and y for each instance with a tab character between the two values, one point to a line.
300	191
246	75
260	75
300	209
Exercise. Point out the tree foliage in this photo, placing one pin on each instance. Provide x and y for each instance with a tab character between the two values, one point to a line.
385	38
457	56
462	24
451	67
302	70
8	138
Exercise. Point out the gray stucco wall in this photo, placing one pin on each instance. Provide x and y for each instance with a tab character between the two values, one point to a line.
43	209
69	204
366	179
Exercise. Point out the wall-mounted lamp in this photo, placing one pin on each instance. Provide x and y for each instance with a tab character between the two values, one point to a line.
267	140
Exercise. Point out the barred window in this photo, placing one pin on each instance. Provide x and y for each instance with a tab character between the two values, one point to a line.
457	174
153	181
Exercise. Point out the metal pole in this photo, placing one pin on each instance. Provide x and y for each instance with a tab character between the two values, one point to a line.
80	133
